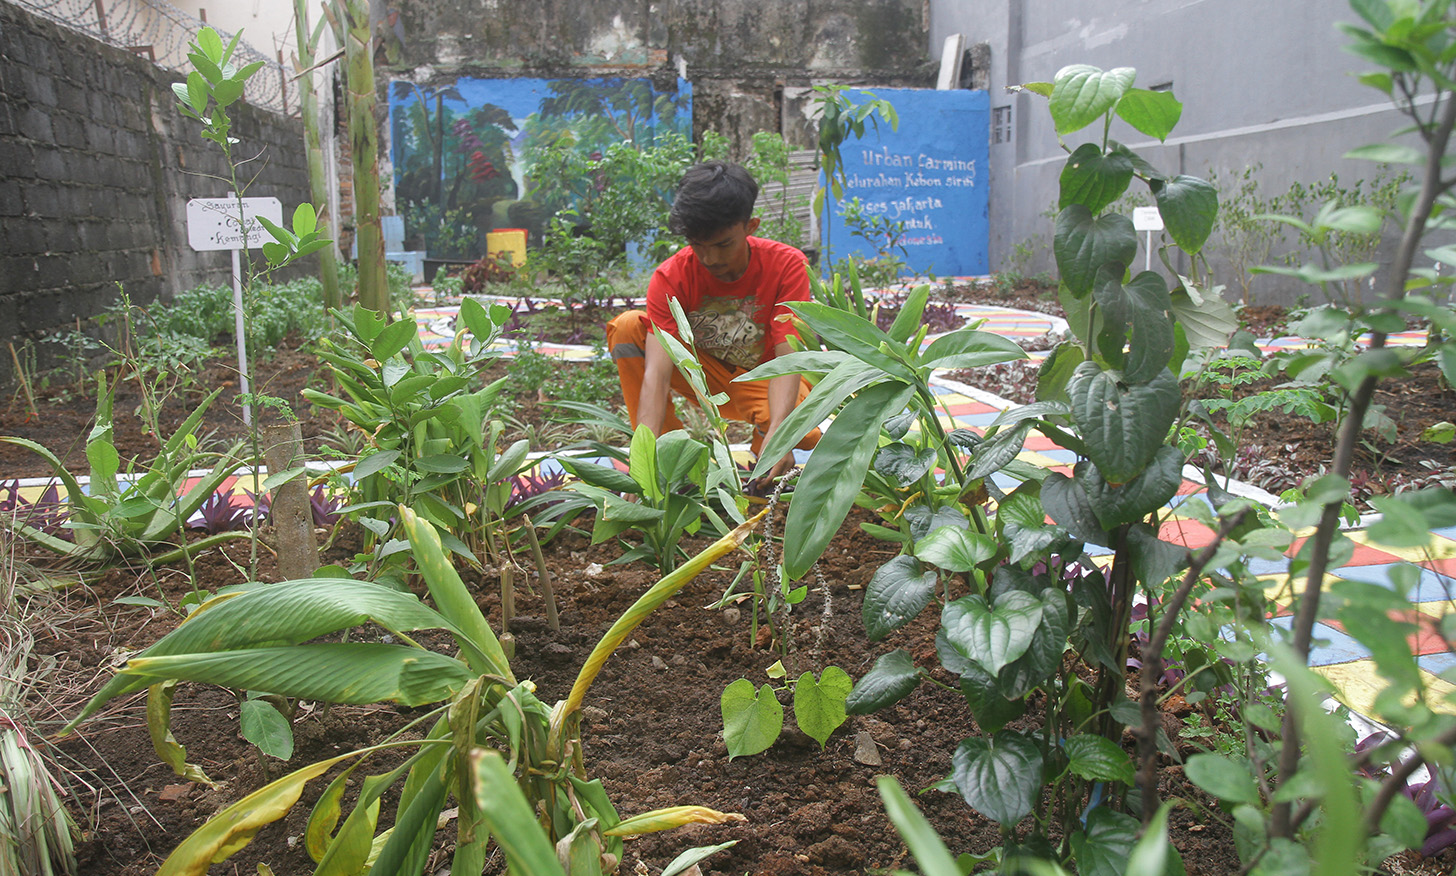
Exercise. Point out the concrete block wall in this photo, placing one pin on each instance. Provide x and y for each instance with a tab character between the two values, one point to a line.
96	168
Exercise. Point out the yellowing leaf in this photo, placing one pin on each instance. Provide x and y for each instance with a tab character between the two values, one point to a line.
672	816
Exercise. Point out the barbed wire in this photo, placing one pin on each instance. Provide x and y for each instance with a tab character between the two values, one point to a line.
160	32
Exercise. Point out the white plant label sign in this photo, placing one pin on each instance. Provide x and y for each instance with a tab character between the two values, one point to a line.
213	223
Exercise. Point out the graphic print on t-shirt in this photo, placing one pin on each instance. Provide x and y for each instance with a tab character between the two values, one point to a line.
726	328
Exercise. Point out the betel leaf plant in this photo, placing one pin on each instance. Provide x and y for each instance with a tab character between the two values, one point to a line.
1016	592
1311	802
488	736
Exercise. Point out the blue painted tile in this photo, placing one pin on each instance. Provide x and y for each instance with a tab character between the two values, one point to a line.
1431	588
1437	663
1269	567
1330	645
1065	457
1446	532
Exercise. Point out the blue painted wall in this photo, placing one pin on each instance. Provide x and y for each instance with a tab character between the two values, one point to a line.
931	173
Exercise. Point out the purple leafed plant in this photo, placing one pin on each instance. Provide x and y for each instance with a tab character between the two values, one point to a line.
525	486
223	512
47	513
939	316
325	507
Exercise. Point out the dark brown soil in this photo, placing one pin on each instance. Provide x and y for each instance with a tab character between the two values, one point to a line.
652	722
652	726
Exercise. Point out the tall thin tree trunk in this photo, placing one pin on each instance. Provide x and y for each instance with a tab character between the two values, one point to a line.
364	141
313	141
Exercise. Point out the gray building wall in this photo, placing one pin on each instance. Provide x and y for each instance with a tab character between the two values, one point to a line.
96	168
1260	82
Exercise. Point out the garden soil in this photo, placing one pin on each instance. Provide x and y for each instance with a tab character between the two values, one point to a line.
652	724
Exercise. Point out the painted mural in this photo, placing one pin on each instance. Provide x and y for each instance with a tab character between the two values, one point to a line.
465	154
928	178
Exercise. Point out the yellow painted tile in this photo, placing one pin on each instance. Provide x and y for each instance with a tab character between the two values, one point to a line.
1358	684
1438	549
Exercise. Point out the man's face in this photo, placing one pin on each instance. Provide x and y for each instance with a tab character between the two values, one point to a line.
725	253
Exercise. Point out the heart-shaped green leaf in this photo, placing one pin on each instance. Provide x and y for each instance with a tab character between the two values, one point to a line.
1103	849
1122	424
1082	94
1023	525
1067	504
751	719
263	725
819	705
890	680
1189	206
903	463
992	637
897	593
1228	780
1092	179
1082	244
1137	498
1155	113
1098	758
955	548
1044	655
991	710
998	776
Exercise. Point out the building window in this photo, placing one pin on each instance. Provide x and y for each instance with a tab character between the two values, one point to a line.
1001	124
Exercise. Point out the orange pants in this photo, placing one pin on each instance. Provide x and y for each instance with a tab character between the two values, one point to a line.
747	402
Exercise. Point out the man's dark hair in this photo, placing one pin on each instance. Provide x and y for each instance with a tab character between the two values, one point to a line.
712	196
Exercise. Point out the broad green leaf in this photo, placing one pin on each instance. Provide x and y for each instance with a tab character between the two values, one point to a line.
828	394
1082	244
854	334
897	592
483	650
394	338
819	705
1150	344
264	726
1189	206
1022	522
968	348
825	492
1122	424
993	454
1092	179
907	321
441	463
1208	323
1228	780
510	818
305	220
642	463
1043	656
955	549
1139	497
1404	822
929	851
375	462
991	709
751	719
998	776
1098	758
1155	113
606	477
332	672
1082	94
1104	847
1067	504
992	636
196	92
890	680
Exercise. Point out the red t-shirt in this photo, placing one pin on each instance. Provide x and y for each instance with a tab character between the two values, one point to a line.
735	322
